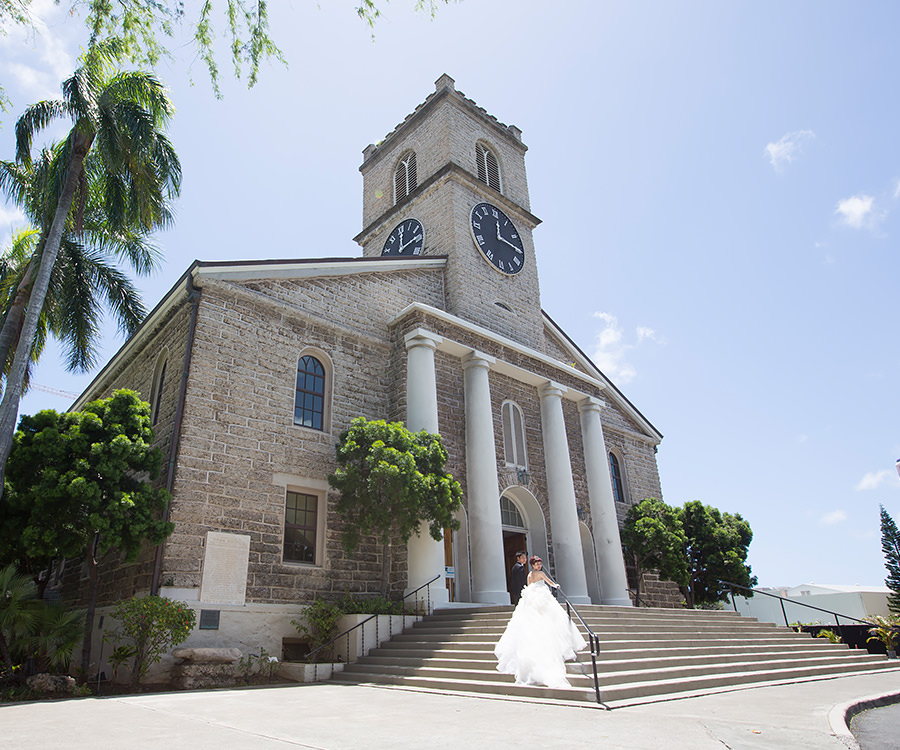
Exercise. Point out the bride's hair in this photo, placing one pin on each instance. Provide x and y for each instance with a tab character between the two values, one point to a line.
534	559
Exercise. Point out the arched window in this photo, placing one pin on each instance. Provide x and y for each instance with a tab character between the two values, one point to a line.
510	515
309	400
488	169
405	179
615	477
159	379
514	435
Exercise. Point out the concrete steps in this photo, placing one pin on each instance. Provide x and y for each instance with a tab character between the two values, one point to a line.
644	654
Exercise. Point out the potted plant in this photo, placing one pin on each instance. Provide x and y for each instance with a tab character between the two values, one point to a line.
884	629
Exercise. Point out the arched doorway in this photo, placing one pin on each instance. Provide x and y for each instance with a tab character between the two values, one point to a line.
523	524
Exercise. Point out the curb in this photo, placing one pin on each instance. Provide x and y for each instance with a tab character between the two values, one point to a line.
840	716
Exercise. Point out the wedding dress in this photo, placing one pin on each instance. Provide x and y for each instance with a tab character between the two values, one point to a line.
538	640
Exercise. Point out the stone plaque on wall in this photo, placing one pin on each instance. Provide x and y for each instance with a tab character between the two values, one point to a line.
225	564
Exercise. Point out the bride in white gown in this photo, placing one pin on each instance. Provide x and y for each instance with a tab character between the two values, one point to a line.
539	637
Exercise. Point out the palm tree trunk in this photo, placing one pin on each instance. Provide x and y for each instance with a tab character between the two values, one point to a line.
15	317
9	406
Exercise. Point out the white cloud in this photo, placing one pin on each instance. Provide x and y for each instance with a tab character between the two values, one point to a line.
612	348
835	516
783	152
874	479
858	211
11	219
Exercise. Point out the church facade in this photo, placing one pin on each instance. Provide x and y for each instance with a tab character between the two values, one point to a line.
253	369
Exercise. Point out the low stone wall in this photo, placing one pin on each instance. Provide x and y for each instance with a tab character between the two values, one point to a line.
205	667
659	593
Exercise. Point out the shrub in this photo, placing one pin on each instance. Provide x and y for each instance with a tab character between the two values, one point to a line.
319	623
154	624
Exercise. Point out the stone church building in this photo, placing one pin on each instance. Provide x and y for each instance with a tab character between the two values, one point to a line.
253	368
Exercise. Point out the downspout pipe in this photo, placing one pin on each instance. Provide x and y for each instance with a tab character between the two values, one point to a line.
193	297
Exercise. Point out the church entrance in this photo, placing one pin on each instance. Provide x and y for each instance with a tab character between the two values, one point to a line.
449	567
515	532
513	541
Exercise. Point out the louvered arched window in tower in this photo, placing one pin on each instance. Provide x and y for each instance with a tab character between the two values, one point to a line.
405	179
488	169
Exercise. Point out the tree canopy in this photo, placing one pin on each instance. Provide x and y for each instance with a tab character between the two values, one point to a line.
653	538
79	488
392	481
697	546
146	27
117	145
890	545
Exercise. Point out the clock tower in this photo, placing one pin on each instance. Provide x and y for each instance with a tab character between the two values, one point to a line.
450	181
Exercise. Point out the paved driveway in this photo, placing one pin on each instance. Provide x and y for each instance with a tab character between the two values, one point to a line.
340	717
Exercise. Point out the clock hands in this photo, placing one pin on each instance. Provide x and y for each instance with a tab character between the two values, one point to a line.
506	241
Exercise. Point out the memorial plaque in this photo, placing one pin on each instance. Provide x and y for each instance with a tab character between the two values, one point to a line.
225	564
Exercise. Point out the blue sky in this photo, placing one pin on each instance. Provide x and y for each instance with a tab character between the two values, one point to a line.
719	185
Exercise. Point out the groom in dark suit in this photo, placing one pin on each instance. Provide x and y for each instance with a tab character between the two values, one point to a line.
518	577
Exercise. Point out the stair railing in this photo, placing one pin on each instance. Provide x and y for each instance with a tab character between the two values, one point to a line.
593	640
418	615
836	615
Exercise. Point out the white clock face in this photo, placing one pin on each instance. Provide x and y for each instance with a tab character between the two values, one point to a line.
497	238
407	238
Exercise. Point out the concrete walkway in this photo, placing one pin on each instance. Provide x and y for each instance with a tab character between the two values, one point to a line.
340	717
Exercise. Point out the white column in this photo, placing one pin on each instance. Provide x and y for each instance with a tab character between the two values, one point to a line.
485	528
604	521
425	556
561	490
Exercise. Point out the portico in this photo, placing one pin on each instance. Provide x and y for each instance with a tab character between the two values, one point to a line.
556	486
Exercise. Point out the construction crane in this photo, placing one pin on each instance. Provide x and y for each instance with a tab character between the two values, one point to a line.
55	391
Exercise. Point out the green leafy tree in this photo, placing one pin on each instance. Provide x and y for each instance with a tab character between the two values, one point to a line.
145	26
392	481
79	487
717	547
118	118
154	624
890	545
653	538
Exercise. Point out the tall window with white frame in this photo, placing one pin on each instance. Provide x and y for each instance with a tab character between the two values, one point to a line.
309	398
514	435
300	517
615	477
405	178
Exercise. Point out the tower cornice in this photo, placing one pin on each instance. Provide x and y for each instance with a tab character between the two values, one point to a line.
448	172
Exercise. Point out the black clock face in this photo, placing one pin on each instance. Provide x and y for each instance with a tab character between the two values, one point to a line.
407	238
498	239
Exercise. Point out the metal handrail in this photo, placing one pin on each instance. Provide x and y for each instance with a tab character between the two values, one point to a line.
346	633
593	639
836	615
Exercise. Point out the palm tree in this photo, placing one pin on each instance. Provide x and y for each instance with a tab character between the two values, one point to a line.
83	276
118	120
16	612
